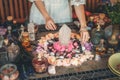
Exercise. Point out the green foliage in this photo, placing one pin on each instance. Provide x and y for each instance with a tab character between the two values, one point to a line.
114	13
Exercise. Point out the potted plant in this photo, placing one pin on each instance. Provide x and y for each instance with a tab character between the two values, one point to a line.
113	12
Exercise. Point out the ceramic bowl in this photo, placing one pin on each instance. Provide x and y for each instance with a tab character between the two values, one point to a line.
113	71
113	61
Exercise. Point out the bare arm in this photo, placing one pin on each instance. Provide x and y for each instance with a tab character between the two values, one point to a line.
80	12
50	25
42	9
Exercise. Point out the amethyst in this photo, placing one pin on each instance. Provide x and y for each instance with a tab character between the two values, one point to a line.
88	46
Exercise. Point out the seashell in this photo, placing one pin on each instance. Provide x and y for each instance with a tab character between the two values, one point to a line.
66	62
51	35
51	60
75	61
59	62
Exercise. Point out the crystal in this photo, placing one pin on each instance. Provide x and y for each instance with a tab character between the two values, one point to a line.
51	69
64	35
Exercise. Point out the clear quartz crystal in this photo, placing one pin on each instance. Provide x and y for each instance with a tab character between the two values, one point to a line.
31	31
64	35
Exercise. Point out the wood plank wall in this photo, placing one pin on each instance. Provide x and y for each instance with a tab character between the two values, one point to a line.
91	5
20	9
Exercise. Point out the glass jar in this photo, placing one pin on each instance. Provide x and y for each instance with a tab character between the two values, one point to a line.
9	72
13	52
40	65
26	41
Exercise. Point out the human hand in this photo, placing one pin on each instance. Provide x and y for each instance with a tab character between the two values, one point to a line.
50	25
84	35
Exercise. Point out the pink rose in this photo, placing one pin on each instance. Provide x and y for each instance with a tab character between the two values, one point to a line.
70	47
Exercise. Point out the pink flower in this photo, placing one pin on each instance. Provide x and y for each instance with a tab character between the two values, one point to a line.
75	44
69	55
57	46
70	47
62	48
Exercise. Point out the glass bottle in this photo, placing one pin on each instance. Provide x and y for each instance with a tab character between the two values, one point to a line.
31	31
9	21
15	29
13	52
91	23
15	25
9	35
26	41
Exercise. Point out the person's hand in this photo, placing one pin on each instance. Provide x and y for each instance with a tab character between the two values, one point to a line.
84	35
50	25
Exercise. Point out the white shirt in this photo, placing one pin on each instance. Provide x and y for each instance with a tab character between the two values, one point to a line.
59	10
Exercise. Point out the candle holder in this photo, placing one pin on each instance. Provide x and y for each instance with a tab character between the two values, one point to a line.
40	65
113	42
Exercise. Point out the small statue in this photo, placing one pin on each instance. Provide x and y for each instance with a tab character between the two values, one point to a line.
22	31
100	49
97	34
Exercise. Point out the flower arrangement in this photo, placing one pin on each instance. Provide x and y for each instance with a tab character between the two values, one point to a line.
60	55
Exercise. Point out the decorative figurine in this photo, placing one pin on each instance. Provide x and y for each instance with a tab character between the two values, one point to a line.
100	49
97	34
22	31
